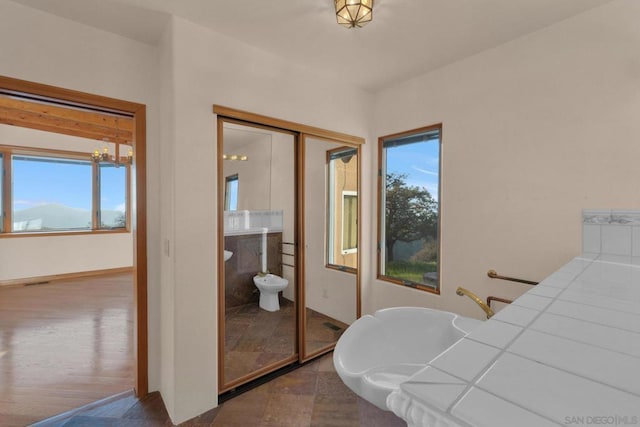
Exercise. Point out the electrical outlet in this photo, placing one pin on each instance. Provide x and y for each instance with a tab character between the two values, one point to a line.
325	293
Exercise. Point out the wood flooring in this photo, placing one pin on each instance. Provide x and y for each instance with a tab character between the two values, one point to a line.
63	345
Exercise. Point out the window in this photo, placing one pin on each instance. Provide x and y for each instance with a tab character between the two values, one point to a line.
349	222
231	193
113	196
47	191
50	194
409	208
342	215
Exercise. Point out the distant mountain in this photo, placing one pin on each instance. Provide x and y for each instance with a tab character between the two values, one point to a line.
58	217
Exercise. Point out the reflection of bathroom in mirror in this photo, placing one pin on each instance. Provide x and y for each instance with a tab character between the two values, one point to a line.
331	236
258	167
288	247
342	208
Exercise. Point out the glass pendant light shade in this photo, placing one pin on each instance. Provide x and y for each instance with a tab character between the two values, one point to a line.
354	13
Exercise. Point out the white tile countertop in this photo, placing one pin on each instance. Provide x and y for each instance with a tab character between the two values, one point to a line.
565	353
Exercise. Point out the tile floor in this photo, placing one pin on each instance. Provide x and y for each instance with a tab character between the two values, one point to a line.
255	338
312	395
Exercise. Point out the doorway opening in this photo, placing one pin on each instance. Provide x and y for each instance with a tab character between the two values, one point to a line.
117	129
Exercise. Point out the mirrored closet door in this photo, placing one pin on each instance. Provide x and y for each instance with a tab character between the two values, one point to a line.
288	277
330	251
257	166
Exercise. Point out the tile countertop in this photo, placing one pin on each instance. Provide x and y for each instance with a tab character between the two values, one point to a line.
567	352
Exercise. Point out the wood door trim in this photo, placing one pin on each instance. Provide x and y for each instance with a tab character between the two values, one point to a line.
300	132
301	251
221	266
12	85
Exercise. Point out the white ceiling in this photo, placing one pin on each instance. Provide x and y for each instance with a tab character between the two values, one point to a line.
405	39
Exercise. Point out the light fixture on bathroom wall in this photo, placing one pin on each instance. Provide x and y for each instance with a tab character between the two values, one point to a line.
354	13
234	157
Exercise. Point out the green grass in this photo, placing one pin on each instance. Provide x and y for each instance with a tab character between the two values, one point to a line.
409	270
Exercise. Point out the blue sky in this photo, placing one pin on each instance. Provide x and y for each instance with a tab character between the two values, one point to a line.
66	183
420	161
113	188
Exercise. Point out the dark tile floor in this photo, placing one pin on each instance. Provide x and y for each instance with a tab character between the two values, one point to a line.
312	395
322	330
255	338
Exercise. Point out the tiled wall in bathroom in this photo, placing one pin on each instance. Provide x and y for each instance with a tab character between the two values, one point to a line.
611	231
243	220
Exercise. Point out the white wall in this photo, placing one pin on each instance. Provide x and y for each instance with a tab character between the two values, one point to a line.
28	257
254	189
43	48
166	299
26	137
533	131
59	254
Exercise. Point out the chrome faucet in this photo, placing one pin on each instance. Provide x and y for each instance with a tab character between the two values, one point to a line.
462	291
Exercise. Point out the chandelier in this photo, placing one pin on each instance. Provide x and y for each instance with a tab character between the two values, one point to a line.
354	13
106	157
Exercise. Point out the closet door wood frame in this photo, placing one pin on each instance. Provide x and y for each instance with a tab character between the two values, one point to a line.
305	354
242	117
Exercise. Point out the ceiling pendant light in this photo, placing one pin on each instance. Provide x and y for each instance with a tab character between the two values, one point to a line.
354	13
105	157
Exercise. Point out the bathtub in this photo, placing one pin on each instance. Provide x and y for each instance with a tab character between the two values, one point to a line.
380	351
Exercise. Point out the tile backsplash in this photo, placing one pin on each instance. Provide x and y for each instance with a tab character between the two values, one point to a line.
252	221
612	232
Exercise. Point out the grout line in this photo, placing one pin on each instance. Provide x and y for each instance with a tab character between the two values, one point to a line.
487	369
533	328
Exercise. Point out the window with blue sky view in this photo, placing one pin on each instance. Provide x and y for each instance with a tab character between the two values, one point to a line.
409	211
56	194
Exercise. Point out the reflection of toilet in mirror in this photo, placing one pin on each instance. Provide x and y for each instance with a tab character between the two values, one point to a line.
269	286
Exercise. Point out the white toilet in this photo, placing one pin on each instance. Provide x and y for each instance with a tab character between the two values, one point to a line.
269	286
